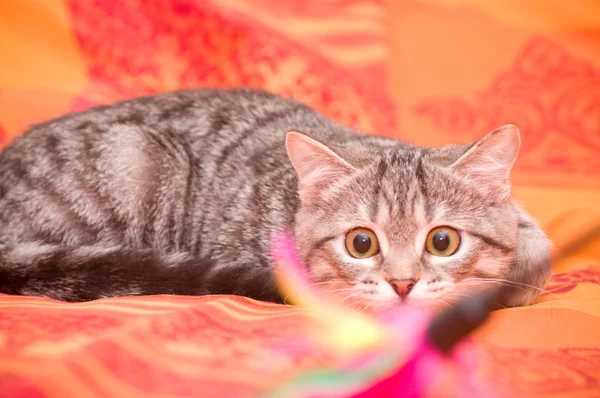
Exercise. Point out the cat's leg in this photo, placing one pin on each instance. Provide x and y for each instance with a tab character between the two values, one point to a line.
90	272
531	269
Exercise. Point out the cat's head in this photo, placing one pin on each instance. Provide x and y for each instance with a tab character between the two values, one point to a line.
380	225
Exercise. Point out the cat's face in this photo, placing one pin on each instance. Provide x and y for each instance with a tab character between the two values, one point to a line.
405	225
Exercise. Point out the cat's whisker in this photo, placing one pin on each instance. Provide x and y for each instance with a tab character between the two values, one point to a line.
457	298
531	287
364	309
350	296
322	283
285	299
453	298
327	290
483	283
505	282
443	301
339	290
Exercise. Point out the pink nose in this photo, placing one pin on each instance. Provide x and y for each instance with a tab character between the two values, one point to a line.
402	287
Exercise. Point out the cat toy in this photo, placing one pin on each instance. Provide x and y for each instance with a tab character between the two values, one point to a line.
402	353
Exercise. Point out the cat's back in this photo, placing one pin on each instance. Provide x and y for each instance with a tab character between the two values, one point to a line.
190	112
179	118
128	171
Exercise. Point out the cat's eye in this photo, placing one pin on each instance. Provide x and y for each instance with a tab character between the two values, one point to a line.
442	241
362	243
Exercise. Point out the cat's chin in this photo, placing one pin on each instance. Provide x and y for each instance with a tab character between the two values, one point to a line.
432	306
380	306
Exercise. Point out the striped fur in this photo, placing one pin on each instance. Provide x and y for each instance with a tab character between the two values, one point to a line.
181	193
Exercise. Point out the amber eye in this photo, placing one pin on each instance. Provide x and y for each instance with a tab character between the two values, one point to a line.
442	241
362	243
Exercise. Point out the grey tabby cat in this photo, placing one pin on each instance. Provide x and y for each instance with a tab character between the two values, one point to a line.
182	193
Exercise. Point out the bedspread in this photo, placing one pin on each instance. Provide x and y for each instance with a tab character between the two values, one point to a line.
427	71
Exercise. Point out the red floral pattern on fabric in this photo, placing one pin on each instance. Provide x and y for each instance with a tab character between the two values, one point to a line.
180	44
564	282
546	90
561	372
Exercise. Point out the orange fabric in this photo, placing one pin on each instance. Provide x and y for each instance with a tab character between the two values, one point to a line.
430	71
165	346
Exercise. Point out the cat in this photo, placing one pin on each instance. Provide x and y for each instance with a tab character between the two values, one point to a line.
182	193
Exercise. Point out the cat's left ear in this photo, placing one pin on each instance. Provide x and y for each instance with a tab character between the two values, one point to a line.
489	162
317	166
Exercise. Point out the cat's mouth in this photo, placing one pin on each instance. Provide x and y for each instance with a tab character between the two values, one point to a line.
361	298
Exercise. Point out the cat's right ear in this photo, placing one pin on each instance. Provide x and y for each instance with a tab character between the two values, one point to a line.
317	166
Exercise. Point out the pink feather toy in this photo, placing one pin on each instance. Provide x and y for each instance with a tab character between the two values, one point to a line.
406	352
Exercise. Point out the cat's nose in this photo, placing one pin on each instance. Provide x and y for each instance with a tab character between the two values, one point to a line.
402	287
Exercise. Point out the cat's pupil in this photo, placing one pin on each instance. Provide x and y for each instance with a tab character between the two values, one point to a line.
362	243
441	241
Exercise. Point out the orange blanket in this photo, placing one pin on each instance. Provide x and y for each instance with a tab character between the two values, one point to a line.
429	71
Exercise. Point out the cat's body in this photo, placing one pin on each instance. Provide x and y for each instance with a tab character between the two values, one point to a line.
181	194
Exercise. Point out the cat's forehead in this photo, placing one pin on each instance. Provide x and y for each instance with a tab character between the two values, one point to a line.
403	169
414	186
411	184
397	171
